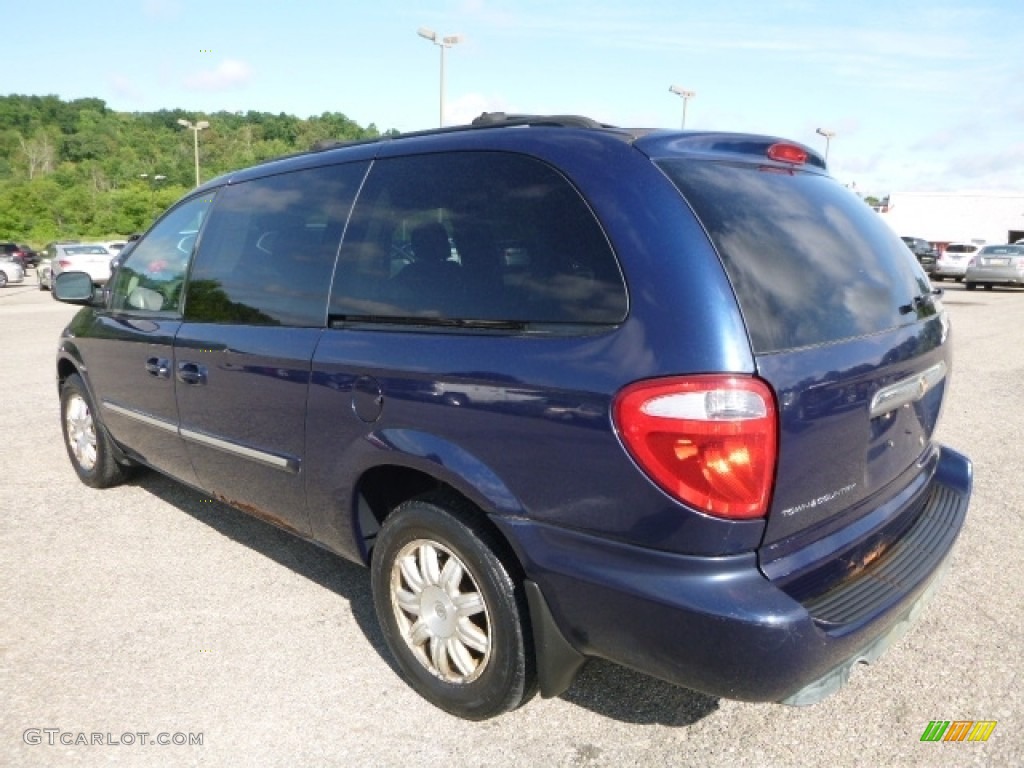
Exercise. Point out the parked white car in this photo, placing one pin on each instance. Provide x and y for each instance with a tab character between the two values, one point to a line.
10	272
81	257
953	261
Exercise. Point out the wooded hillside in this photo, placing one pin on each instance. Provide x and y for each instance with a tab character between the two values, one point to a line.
77	169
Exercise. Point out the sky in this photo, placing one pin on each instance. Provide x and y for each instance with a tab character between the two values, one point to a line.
922	95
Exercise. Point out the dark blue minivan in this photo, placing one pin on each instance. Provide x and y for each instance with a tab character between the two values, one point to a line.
570	391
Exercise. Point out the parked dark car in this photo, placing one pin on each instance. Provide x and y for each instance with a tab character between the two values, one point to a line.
569	391
31	256
924	251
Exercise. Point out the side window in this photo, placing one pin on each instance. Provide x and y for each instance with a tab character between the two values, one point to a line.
474	236
268	251
153	274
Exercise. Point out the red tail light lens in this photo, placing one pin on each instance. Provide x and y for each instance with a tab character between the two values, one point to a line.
64	263
787	153
709	441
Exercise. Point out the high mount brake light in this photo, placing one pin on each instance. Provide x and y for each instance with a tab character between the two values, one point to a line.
708	441
787	153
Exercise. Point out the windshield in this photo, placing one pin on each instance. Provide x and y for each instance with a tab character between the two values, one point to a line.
86	249
1003	250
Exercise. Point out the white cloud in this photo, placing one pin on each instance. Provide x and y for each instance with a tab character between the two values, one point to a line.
465	108
124	87
161	9
230	73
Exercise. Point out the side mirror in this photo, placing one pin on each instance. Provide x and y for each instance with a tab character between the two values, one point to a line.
73	288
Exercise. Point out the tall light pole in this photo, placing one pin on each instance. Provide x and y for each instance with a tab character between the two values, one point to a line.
443	42
829	135
686	95
195	128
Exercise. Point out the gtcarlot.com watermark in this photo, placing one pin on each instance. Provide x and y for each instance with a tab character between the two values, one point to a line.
59	737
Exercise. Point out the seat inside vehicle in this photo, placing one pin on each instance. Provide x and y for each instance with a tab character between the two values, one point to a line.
433	282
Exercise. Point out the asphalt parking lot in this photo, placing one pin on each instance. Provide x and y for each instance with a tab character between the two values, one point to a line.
149	611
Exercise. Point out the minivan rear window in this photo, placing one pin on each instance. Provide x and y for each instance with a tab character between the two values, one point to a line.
810	262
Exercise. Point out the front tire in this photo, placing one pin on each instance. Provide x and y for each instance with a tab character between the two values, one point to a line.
89	448
970	286
452	613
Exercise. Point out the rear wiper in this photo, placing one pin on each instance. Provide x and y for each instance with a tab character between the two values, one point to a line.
919	301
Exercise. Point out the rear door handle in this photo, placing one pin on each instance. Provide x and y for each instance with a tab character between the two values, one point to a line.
192	373
159	367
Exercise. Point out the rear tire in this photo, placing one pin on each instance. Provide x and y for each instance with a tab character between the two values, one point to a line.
451	612
3	279
88	445
988	286
970	286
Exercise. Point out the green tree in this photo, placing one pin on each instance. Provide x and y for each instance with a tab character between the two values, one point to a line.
79	169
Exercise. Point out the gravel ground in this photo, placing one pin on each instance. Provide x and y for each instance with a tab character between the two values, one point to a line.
149	612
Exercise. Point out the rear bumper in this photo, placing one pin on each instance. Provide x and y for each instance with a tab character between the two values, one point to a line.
716	624
1008	276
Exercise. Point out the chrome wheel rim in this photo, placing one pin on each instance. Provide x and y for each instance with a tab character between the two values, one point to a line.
440	611
81	432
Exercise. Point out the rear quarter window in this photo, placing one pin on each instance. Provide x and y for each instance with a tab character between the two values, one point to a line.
809	261
475	236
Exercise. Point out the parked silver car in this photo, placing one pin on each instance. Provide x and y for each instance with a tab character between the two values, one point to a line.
43	275
996	265
10	271
82	257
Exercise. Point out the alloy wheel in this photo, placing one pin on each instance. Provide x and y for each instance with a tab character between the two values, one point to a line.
81	432
440	612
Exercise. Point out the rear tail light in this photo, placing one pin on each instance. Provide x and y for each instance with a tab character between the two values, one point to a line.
64	263
708	441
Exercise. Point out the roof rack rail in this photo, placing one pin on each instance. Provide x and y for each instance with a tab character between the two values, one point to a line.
485	120
494	119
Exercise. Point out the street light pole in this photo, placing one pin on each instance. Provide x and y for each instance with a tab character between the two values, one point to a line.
686	96
829	135
195	128
443	42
